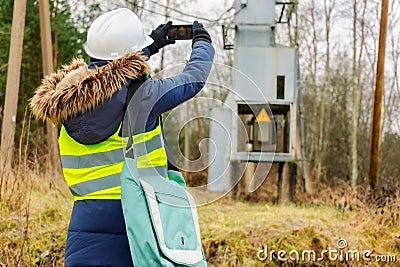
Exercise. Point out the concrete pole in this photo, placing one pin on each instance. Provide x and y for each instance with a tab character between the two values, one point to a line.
12	86
47	63
377	115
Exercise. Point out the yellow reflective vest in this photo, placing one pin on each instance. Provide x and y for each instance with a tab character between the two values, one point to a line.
93	171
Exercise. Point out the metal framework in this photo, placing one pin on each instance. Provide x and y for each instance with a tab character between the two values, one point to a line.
266	81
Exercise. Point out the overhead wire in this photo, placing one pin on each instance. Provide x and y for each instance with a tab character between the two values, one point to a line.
232	16
213	21
187	14
161	14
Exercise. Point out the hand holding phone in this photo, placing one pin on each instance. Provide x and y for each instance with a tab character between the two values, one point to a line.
180	32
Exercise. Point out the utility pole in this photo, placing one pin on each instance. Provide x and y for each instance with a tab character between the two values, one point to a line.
377	115
47	63
12	86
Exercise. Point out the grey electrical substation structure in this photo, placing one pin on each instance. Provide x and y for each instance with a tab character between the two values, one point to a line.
260	114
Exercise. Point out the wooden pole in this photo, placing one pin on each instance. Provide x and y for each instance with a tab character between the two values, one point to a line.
377	115
12	86
47	63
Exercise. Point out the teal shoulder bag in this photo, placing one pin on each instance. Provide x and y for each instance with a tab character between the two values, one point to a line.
161	219
160	214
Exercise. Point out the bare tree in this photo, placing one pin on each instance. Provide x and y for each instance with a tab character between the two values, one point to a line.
322	142
392	78
356	80
314	127
166	19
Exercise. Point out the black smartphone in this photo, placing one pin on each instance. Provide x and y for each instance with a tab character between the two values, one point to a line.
180	32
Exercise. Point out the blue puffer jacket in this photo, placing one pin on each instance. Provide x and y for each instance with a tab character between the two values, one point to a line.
96	233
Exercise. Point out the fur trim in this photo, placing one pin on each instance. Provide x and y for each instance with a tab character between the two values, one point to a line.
75	88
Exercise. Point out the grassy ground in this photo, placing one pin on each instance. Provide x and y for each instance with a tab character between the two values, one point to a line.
35	212
234	233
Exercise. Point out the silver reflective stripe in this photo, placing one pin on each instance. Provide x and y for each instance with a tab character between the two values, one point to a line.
148	146
95	185
153	171
92	160
177	255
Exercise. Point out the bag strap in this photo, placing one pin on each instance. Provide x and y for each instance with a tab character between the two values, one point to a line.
170	159
133	87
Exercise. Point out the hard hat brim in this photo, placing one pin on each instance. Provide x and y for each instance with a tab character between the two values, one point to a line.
147	41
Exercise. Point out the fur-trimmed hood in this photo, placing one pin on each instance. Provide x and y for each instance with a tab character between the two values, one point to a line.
76	89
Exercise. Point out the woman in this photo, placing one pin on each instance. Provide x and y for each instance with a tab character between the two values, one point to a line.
90	102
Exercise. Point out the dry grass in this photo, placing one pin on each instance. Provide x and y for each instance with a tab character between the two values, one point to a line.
235	232
35	210
34	218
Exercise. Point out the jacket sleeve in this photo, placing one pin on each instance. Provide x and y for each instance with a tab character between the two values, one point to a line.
171	92
146	52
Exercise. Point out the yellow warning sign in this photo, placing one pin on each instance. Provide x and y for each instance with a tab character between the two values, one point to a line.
181	29
263	116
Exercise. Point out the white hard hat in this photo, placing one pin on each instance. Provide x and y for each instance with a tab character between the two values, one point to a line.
116	33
